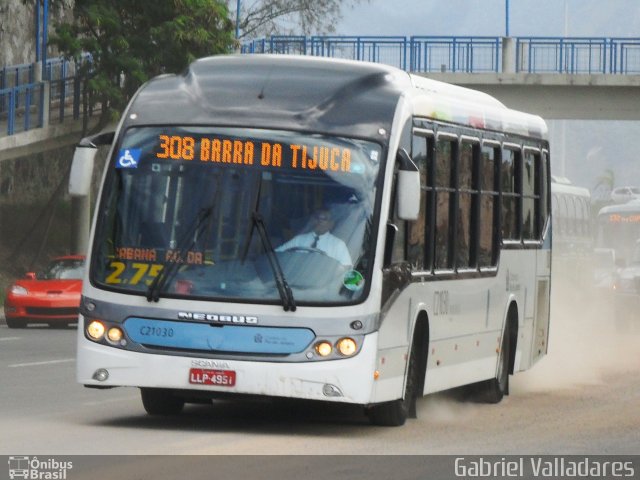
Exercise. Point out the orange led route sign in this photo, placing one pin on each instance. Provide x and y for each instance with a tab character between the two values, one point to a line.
250	152
618	218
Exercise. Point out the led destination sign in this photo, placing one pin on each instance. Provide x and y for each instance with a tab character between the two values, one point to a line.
325	157
617	218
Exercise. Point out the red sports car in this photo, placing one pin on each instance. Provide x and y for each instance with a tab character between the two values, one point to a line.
52	296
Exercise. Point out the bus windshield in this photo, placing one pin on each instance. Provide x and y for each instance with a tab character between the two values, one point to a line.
217	213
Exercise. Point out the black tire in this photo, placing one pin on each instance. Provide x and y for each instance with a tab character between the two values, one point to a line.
396	412
157	401
494	390
16	323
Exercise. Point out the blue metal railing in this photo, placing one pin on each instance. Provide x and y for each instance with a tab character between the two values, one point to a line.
430	54
455	54
563	55
22	100
624	56
17	75
26	103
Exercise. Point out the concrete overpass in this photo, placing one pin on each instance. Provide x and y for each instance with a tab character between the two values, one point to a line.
558	96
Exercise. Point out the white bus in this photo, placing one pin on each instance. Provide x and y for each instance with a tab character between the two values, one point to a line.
618	228
196	286
572	232
619	233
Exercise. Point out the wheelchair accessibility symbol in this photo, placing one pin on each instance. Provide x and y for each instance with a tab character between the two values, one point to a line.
128	158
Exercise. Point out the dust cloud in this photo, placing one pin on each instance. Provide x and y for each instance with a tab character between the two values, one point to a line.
585	344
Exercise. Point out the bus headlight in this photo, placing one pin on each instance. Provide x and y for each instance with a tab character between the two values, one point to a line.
95	330
324	348
346	346
114	334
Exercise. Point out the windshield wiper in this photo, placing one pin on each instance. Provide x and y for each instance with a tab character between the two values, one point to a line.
288	302
187	241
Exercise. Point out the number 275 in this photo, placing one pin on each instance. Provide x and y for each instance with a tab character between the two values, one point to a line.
140	271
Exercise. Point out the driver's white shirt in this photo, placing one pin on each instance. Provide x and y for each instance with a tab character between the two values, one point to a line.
328	243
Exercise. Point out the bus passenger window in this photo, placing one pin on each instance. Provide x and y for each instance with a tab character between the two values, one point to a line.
511	189
531	197
417	228
488	202
544	191
445	151
466	198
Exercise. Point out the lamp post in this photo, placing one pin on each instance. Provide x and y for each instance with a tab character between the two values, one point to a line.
506	19
45	35
42	27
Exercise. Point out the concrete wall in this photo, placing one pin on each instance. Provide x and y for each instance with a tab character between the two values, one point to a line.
18	32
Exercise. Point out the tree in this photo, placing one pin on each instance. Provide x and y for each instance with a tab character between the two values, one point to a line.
131	41
277	17
605	184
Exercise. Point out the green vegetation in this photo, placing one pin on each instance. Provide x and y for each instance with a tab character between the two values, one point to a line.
133	41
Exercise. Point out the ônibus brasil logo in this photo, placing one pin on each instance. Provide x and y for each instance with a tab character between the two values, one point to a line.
37	469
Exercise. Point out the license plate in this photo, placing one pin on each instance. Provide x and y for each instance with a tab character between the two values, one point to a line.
220	378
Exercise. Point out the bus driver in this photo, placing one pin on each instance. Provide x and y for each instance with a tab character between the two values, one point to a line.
321	238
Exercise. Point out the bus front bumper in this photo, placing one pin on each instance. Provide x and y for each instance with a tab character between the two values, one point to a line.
349	380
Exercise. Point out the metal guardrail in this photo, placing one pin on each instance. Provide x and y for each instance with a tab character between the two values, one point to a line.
22	105
455	54
22	99
57	68
430	54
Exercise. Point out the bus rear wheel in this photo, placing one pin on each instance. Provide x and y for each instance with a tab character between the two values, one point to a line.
494	390
157	401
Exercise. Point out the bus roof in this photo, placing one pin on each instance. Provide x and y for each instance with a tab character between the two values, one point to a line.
629	207
443	101
293	92
566	187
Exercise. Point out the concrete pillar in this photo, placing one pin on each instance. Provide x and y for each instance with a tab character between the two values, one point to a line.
46	103
508	55
80	224
37	72
46	92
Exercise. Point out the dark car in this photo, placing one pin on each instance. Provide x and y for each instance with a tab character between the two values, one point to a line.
51	296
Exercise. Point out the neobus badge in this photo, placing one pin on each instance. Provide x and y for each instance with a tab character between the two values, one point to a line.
213	317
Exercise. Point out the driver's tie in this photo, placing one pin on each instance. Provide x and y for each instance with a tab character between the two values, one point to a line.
316	237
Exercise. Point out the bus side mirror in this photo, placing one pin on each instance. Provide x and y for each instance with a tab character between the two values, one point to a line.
81	170
408	187
82	163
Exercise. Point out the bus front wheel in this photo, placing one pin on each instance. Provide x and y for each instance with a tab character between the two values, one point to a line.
396	412
157	401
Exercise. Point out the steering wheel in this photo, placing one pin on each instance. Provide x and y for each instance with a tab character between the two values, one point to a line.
308	250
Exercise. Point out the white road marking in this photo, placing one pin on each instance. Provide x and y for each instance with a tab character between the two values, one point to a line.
9	338
48	362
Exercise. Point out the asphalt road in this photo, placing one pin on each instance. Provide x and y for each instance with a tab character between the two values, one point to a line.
582	398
